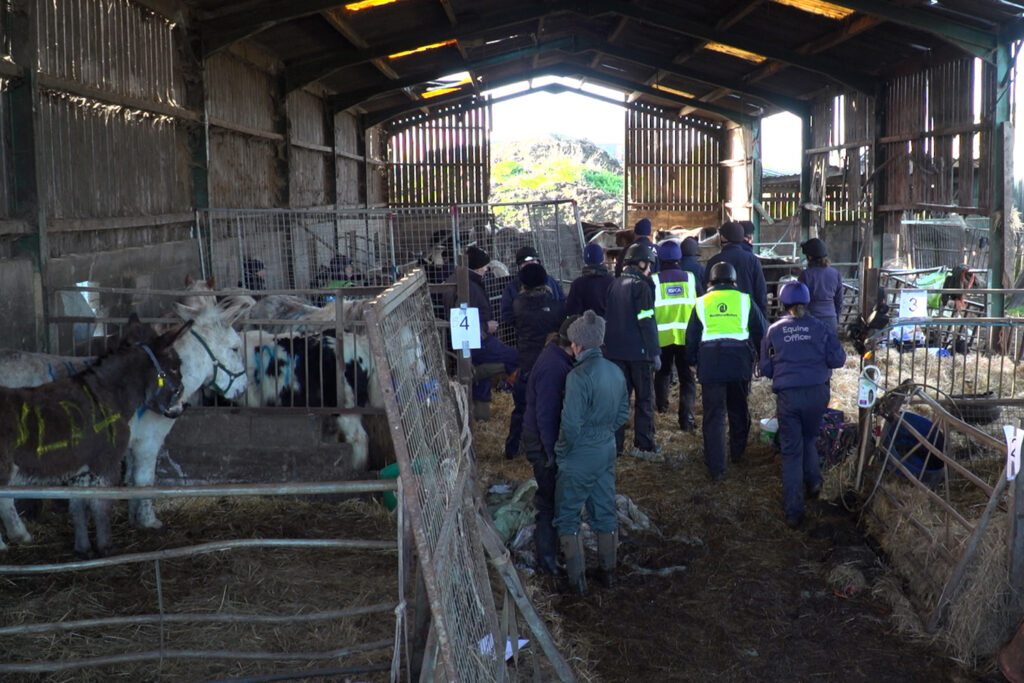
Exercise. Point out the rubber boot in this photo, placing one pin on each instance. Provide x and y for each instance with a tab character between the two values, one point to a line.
546	542
575	562
606	547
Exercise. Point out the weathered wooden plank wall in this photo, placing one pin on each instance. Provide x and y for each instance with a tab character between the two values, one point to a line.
672	169
309	155
244	141
441	160
937	142
107	158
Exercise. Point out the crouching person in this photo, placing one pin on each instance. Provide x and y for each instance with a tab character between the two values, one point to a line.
596	404
798	354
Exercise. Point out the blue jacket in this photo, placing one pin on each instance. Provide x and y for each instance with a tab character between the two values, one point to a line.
537	314
691	264
800	352
477	297
545	391
631	332
749	276
826	287
596	404
589	291
727	360
512	289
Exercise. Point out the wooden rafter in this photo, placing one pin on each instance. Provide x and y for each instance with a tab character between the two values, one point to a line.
975	41
307	71
351	99
668	67
826	67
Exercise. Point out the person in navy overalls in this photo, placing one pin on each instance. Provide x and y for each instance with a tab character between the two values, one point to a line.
824	283
798	353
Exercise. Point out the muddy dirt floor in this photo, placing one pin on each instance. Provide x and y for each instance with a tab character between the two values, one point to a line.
716	589
740	596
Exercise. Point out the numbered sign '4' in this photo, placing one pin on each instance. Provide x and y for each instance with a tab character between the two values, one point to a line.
465	327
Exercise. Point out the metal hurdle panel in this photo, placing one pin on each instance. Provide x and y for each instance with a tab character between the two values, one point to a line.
432	446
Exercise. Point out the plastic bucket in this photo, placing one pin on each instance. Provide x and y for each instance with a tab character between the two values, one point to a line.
390	472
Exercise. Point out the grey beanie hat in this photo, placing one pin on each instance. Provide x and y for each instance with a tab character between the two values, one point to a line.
588	331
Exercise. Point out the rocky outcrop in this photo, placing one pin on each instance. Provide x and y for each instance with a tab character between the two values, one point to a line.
559	168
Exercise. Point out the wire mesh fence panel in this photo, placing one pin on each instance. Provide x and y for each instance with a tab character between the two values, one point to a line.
289	249
930	243
431	445
966	362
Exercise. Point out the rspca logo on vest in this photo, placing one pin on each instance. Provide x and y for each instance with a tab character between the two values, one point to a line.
674	290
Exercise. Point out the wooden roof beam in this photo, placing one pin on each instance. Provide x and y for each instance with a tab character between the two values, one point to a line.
792	104
306	71
828	68
975	41
351	99
472	100
239	21
852	27
620	25
336	18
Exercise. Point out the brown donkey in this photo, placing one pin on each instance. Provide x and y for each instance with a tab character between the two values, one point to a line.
74	431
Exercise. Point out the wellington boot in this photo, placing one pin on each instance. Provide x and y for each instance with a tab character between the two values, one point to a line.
575	562
606	554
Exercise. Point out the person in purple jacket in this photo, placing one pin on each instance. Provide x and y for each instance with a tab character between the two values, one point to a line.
798	353
545	391
589	292
824	283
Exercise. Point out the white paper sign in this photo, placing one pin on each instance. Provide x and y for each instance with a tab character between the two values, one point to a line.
913	303
1014	437
465	329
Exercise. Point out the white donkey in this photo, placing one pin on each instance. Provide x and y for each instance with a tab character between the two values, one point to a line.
210	355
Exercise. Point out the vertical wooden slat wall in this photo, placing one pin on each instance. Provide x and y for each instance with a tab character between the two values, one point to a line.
440	160
938	152
671	165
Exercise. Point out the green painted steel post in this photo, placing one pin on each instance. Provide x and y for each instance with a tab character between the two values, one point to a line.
1001	174
805	176
757	171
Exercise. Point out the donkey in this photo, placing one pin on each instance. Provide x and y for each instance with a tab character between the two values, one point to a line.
74	431
210	358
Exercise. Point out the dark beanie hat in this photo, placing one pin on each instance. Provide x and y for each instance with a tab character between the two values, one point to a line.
814	248
524	254
593	254
642	227
563	331
588	331
532	274
689	246
669	251
476	258
731	232
748	228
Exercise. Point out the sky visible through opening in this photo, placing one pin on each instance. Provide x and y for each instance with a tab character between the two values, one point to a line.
541	115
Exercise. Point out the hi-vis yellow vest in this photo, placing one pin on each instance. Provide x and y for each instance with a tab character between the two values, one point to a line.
673	303
724	314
